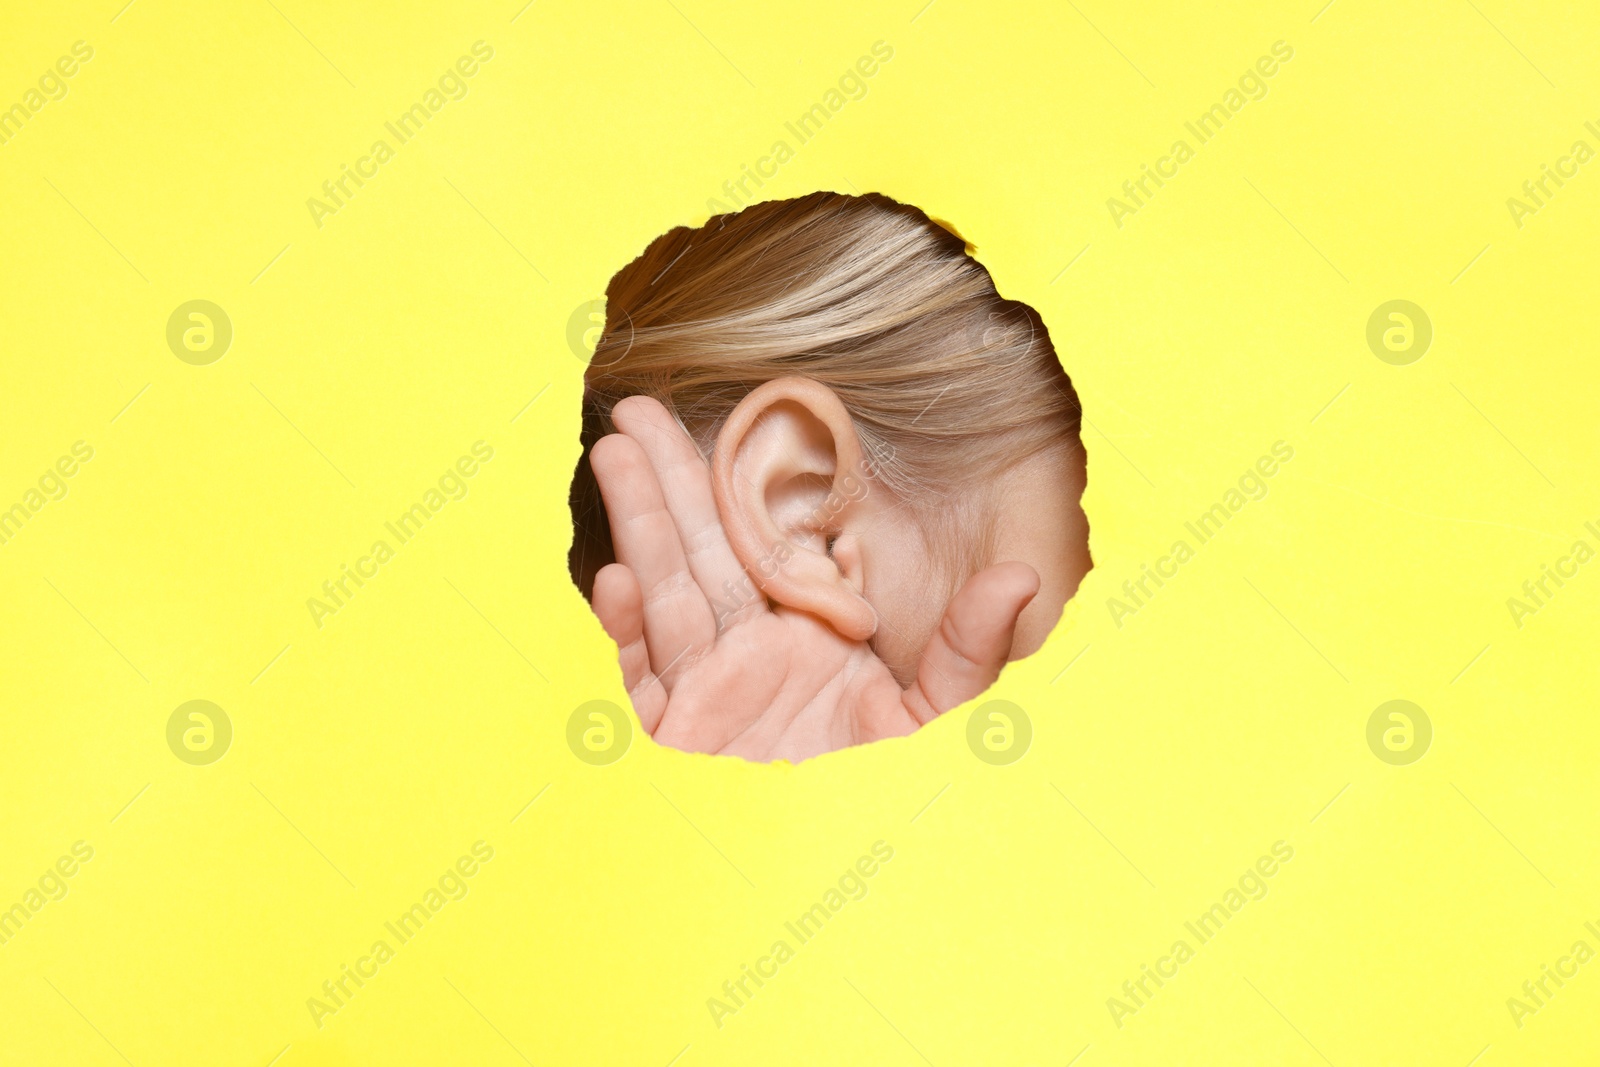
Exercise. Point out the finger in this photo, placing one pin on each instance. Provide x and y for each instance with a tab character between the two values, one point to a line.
974	639
686	485
678	624
619	604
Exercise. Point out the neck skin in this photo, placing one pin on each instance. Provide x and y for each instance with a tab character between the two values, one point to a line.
1041	523
1035	517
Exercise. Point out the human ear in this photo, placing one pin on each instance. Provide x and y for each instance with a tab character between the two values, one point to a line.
787	474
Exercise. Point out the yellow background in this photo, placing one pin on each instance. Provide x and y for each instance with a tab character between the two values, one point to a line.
1168	753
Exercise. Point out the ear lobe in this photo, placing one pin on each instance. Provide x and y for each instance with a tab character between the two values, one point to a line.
786	474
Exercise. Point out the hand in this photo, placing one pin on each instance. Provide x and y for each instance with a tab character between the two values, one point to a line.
762	681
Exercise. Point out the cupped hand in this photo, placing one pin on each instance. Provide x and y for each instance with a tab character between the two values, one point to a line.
712	670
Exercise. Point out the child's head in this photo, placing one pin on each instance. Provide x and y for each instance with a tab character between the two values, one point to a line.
883	424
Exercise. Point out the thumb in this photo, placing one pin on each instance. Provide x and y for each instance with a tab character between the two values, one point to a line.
973	640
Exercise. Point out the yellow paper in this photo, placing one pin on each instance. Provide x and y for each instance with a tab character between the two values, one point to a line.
434	320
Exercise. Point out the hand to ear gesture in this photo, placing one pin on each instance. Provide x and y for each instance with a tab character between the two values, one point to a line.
764	681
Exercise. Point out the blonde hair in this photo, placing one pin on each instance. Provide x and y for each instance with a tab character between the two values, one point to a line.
948	384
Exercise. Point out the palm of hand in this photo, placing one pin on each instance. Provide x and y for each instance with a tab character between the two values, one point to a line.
783	685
